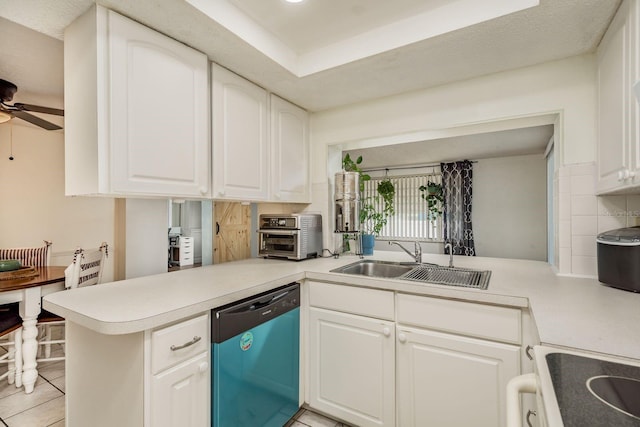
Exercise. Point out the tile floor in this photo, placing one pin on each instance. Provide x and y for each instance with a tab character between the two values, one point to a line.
45	406
42	408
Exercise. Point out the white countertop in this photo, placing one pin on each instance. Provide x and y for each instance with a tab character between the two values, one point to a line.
569	312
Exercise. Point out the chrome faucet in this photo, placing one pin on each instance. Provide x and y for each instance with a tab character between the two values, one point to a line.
450	253
417	255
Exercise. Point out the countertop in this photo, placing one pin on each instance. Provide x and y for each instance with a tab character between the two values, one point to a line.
569	312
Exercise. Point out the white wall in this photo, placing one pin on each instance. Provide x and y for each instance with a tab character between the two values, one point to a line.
567	87
563	90
33	204
147	244
509	207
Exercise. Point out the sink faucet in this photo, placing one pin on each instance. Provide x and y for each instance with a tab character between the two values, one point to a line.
417	255
450	253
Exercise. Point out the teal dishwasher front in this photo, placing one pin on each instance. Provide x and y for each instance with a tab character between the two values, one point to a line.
256	360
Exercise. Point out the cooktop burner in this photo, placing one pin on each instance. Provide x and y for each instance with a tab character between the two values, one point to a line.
593	392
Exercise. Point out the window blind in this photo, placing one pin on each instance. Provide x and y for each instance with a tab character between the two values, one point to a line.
411	219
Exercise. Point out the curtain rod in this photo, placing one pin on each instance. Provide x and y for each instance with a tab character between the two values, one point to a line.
406	167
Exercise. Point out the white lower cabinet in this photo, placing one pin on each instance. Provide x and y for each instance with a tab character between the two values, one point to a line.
450	380
180	394
382	359
351	371
180	374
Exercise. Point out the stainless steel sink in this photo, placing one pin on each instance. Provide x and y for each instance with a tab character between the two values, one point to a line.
375	268
425	273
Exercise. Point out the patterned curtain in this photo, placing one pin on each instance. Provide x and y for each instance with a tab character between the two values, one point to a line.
457	180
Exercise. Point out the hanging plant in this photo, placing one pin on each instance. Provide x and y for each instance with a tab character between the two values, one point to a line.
432	193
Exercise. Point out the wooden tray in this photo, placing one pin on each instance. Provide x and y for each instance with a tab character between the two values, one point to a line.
21	273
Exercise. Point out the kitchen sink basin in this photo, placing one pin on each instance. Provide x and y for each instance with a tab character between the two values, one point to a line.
620	393
425	273
375	268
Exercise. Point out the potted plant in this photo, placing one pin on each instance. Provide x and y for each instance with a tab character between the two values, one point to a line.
432	193
371	219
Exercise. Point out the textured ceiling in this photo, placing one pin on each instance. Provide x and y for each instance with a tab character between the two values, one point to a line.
553	30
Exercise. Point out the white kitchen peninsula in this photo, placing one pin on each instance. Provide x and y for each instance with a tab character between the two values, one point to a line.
111	326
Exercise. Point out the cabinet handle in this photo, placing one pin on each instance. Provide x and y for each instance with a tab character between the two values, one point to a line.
204	366
203	190
534	413
528	352
221	192
185	345
402	338
386	332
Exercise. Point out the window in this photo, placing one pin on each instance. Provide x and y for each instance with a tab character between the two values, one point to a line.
412	220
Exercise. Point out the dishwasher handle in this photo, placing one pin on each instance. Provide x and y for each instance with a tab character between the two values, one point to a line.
270	301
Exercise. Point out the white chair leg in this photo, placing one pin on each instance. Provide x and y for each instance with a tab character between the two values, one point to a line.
11	355
47	337
18	357
41	334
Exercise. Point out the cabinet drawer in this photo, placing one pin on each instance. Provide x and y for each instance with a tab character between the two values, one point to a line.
351	299
179	336
477	320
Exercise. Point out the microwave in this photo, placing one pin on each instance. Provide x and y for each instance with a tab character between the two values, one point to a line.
292	236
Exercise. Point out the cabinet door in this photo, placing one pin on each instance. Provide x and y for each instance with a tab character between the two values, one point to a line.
453	381
240	144
158	130
351	367
634	102
289	152
613	94
180	395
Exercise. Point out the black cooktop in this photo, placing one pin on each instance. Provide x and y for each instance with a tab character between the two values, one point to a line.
583	386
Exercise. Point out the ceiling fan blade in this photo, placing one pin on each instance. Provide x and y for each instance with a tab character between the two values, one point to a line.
35	120
38	109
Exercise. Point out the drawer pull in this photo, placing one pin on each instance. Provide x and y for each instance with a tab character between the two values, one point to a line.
528	352
185	345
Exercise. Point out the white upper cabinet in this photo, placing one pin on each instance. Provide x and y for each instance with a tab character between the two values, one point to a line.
289	152
136	107
618	156
240	137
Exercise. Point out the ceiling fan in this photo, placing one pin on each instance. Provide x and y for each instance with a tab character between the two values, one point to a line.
21	111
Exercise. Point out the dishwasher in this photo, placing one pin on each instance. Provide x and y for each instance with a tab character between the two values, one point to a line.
256	360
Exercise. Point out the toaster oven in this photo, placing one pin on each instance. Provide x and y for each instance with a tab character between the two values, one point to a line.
292	236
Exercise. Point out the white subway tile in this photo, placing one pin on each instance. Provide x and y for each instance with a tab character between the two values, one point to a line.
584	225
564	207
584	205
583	185
564	262
583	169
583	246
633	205
612	206
584	265
564	185
606	223
564	234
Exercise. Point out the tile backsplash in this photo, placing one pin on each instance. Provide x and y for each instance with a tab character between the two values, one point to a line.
581	215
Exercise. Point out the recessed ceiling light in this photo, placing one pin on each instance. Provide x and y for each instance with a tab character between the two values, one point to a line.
294	1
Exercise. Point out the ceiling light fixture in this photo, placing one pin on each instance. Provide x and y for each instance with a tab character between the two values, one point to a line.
294	1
